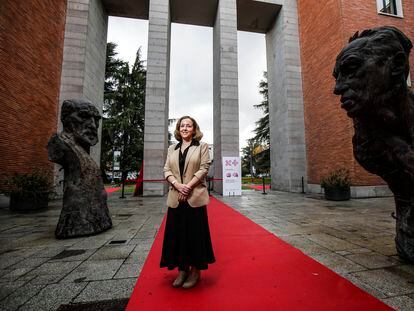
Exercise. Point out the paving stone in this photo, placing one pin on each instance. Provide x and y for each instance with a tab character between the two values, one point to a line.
47	279
392	281
52	296
137	257
373	260
330	242
20	296
32	262
110	289
16	273
94	270
49	252
74	254
129	270
401	303
142	244
8	288
55	267
364	286
91	242
113	252
337	263
305	245
7	260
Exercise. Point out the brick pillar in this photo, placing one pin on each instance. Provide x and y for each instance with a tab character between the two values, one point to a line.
157	96
225	87
287	130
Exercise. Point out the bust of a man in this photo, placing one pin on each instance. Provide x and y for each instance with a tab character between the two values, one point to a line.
85	209
371	78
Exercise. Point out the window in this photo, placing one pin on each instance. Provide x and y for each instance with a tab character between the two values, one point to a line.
390	7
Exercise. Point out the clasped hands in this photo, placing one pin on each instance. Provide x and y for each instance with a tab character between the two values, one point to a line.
183	191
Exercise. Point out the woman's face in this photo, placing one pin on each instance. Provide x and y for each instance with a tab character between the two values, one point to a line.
186	129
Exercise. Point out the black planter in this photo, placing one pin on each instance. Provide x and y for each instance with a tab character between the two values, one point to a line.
337	193
24	204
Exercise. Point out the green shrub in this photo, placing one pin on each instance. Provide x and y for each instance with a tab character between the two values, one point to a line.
338	178
32	186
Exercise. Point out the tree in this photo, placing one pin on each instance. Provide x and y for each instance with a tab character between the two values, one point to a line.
256	155
248	159
124	107
262	130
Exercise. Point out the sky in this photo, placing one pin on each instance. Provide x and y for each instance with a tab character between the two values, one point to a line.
191	70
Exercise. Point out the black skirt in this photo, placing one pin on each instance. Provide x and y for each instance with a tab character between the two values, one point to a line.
187	240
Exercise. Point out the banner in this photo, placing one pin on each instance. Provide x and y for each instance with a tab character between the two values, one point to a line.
231	176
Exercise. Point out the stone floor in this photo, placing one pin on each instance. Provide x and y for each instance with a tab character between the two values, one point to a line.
38	272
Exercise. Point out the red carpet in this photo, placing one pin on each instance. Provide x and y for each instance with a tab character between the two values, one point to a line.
255	271
259	187
112	189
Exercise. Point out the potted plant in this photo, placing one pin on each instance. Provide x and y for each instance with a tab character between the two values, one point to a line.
337	185
29	192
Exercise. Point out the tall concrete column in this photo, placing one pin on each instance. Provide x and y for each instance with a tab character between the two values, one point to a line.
225	87
84	56
157	96
287	129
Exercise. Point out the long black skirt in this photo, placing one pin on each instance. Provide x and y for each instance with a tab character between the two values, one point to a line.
187	240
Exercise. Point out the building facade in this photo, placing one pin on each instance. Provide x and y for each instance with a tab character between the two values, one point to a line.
324	30
54	50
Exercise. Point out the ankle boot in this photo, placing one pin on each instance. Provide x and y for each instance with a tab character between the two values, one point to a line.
179	281
193	279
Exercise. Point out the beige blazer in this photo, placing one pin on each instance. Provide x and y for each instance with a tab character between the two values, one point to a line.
196	164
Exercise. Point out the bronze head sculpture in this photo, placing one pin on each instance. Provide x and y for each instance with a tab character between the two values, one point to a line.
85	209
371	77
81	118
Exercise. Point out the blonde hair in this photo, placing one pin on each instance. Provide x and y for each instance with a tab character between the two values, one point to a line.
197	135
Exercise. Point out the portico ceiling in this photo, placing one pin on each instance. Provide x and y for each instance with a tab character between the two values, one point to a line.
252	15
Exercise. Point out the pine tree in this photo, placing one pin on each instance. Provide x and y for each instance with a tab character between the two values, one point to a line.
124	107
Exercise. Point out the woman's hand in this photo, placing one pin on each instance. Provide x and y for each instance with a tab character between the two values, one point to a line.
182	198
183	189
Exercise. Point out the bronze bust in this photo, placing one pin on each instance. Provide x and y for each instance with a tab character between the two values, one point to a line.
371	78
85	209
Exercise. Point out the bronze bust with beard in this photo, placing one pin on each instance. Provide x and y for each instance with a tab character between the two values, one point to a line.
85	209
371	77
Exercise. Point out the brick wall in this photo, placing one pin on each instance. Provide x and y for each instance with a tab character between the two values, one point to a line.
324	29
359	15
30	61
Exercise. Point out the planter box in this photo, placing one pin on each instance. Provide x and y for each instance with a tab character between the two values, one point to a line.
23	204
337	194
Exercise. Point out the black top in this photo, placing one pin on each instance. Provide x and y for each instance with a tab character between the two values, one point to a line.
183	155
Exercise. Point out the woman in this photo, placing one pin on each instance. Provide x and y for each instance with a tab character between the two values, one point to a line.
187	242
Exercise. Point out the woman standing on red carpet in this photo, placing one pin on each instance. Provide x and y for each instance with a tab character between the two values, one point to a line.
187	243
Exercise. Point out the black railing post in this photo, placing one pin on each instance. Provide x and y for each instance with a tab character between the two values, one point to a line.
264	185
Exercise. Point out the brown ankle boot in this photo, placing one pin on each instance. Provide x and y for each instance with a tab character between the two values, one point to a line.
179	281
193	279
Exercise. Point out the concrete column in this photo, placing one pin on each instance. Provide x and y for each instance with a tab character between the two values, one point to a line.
84	56
287	130
225	87
157	96
84	52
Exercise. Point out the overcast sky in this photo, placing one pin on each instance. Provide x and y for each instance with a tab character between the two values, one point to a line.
191	70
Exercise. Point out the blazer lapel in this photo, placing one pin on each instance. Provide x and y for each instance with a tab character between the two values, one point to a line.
187	158
175	161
